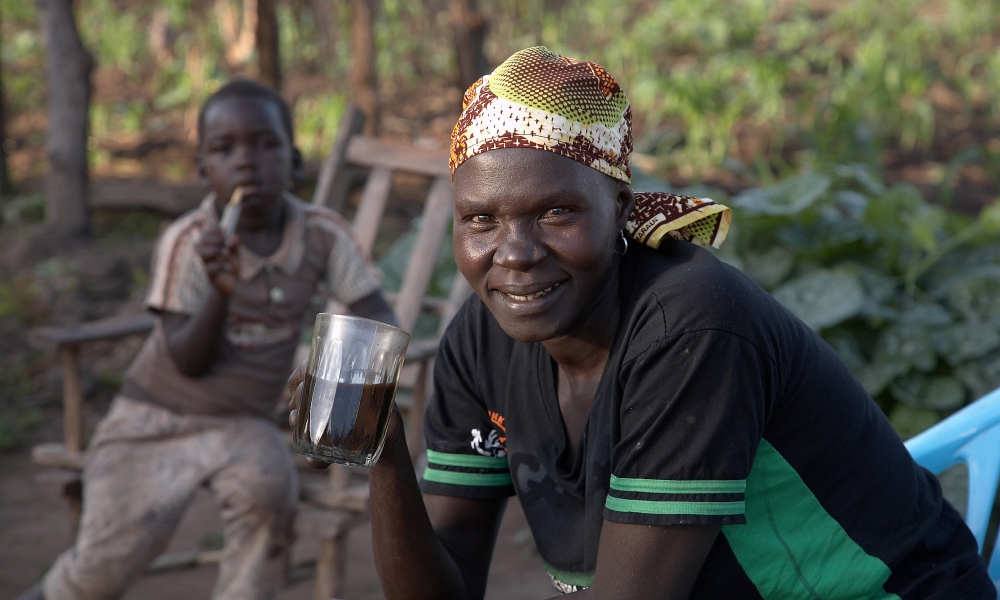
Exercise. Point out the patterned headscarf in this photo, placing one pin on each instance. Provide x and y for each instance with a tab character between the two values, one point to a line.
543	100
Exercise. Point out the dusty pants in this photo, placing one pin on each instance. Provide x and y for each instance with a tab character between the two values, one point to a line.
144	465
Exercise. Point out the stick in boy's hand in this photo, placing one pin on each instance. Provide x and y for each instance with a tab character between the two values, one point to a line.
218	245
231	214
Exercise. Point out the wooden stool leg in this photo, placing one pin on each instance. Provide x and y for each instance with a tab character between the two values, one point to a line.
69	355
331	565
415	416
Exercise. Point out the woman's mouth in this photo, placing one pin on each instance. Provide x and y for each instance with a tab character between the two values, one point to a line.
533	296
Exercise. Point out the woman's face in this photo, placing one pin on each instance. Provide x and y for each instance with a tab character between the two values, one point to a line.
535	235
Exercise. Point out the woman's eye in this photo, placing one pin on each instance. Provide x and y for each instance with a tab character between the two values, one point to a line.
481	219
556	212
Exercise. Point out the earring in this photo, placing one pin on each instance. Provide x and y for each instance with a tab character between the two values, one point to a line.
624	244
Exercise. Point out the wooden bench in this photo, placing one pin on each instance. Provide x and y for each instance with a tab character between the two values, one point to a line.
335	501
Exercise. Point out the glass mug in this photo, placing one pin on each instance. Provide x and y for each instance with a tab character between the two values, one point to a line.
347	395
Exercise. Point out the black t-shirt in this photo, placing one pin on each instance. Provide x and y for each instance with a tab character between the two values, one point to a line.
716	406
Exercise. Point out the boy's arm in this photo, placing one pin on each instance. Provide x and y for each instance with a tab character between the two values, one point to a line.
193	340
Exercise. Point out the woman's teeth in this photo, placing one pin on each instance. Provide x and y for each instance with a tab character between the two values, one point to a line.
535	295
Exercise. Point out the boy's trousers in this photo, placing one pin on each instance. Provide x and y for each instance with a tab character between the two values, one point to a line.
143	467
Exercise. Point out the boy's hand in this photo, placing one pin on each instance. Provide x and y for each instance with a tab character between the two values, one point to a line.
221	258
295	388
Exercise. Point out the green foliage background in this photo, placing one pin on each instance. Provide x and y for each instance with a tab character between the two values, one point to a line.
904	291
803	73
901	286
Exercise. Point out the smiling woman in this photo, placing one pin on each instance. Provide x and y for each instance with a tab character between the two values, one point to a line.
536	240
669	429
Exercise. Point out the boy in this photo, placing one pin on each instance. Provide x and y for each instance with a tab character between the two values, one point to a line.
196	403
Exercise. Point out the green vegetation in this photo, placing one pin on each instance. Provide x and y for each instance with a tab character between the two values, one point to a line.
797	77
904	291
806	113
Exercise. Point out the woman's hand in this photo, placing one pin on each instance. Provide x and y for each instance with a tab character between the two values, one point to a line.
221	258
296	386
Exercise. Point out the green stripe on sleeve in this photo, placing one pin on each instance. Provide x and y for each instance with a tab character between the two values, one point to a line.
467	460
469	479
654	507
672	486
791	547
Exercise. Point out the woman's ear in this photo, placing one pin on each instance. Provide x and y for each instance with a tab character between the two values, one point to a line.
626	202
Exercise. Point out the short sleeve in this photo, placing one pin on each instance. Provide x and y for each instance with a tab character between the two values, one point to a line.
351	274
692	415
466	441
178	280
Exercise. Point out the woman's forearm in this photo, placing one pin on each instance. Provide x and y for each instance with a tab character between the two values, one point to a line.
410	560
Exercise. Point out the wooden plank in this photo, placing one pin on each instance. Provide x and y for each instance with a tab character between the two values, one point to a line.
54	454
421	350
459	293
415	414
172	199
335	176
184	560
69	354
331	567
434	224
102	329
338	480
350	498
430	303
372	207
374	152
324	522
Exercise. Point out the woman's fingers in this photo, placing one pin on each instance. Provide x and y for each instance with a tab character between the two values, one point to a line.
294	380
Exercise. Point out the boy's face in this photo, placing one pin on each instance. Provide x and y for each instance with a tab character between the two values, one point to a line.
245	144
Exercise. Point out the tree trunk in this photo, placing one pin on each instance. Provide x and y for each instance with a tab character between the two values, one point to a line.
326	25
267	43
68	69
469	26
364	77
5	185
239	39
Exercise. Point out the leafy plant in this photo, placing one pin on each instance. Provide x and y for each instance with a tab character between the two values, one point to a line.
903	290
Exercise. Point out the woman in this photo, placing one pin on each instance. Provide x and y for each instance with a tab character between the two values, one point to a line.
669	429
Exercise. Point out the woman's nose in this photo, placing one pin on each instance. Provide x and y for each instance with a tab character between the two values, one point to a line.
518	248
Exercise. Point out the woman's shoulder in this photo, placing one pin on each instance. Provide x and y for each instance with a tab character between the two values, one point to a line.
682	272
681	288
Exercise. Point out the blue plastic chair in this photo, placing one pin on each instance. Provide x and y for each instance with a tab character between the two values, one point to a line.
970	436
